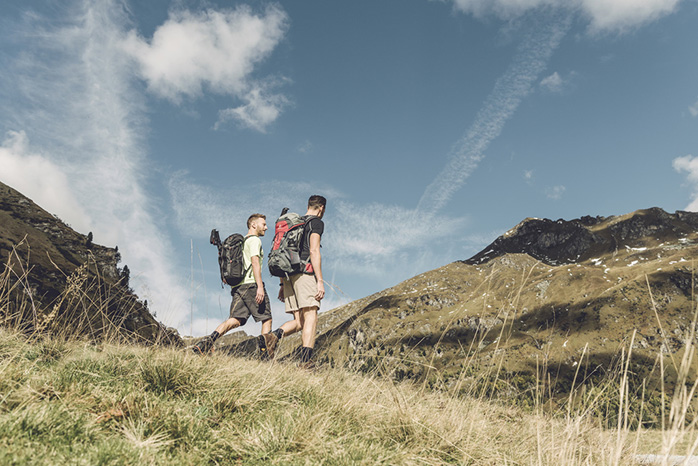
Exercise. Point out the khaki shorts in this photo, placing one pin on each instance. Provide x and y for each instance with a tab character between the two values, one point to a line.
300	291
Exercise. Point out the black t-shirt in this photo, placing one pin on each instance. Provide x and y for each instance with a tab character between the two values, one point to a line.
314	225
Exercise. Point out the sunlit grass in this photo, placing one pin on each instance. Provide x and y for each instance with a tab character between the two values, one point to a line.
66	399
74	402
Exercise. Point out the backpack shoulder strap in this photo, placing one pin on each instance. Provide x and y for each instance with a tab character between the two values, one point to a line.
243	256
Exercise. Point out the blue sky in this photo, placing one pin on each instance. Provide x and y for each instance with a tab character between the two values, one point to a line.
431	126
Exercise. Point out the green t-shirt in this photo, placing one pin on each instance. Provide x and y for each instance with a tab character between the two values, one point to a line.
253	247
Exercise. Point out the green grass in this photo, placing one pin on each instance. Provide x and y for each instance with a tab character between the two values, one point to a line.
70	402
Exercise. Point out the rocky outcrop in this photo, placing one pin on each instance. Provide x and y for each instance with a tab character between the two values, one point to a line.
566	242
55	280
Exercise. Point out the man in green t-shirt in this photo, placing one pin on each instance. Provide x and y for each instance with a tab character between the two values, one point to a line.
250	297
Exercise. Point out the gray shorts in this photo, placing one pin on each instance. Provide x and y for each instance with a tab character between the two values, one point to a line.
244	304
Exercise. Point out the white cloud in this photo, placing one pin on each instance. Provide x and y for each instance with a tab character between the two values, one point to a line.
215	51
552	83
694	109
604	15
555	192
40	179
689	164
72	92
500	105
623	15
306	147
260	110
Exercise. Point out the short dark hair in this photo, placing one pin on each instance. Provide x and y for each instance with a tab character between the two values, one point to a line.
254	217
316	201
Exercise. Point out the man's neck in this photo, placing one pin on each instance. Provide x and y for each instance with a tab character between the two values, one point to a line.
315	212
251	232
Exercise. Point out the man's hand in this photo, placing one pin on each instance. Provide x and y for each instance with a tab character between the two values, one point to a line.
259	297
320	291
281	294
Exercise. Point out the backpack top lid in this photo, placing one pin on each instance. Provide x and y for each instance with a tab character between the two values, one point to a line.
284	224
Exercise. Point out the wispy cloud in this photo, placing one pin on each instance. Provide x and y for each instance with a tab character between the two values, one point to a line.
689	165
557	83
552	83
603	15
199	207
261	108
694	109
306	147
215	51
367	239
72	95
500	105
555	192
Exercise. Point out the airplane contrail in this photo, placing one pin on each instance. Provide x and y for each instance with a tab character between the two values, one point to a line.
500	105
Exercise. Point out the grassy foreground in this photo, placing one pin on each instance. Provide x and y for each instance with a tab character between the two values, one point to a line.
78	403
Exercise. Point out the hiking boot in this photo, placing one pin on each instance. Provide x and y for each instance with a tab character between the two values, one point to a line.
270	342
262	345
203	346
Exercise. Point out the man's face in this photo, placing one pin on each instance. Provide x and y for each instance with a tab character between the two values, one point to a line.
322	212
260	225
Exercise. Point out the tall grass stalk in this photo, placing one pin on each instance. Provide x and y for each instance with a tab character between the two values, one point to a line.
88	305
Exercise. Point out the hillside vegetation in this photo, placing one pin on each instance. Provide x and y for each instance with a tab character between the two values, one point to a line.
560	343
548	306
70	402
54	279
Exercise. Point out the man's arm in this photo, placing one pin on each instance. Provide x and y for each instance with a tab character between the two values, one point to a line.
257	273
316	261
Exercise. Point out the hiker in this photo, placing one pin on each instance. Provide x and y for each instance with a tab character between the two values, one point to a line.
250	296
302	292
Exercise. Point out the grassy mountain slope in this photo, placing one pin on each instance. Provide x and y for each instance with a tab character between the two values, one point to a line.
54	279
67	402
545	303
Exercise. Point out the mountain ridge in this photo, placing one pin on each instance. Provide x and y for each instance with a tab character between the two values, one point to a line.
57	280
546	294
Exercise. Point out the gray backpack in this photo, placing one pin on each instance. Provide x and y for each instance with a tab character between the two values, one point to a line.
285	257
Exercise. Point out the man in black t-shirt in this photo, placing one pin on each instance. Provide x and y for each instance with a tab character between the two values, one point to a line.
303	292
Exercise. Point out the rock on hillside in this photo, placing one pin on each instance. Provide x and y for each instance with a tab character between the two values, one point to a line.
54	279
562	242
543	301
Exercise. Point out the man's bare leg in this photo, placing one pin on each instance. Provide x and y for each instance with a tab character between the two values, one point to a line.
293	326
205	344
266	326
228	325
309	315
